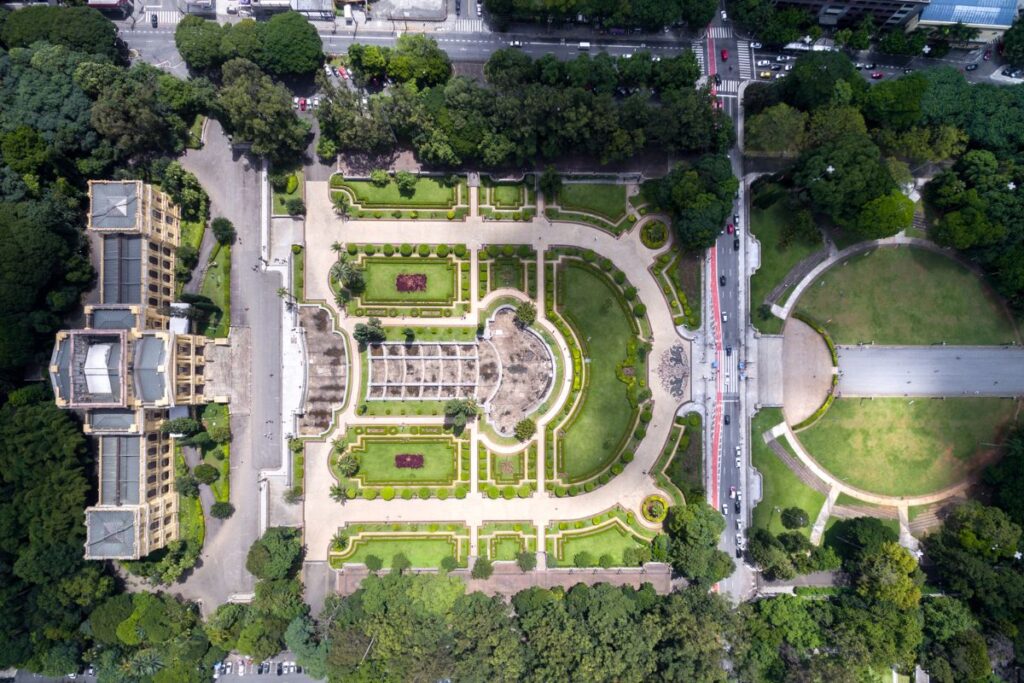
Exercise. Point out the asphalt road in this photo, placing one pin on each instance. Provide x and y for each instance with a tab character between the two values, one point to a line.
931	371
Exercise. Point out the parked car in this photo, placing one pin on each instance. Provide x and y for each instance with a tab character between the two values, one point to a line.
736	506
725	53
739	524
736	244
789	67
870	66
344	72
732	492
764	62
730	228
280	668
739	552
876	75
329	70
458	8
315	103
778	76
756	46
777	67
764	74
971	67
739	463
302	104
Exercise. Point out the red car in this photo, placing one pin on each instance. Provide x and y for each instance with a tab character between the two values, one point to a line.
730	228
344	74
987	56
725	55
302	104
877	74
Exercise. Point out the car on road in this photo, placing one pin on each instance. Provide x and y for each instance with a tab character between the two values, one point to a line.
725	509
908	70
789	67
737	506
764	62
777	67
736	244
458	7
739	463
725	55
739	552
718	79
730	228
721	280
756	46
725	17
725	317
971	67
295	103
987	56
728	350
869	66
280	668
739	524
479	9
732	491
153	20
739	540
726	419
764	74
516	43
876	75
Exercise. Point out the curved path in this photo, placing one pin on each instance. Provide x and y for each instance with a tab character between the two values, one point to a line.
323	516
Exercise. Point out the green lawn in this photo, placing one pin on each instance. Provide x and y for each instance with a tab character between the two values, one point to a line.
605	417
299	273
906	296
902	447
604	199
191	523
195	133
422	552
429	193
776	262
377	460
217	286
280	198
192	233
507	196
506	548
780	487
382	273
611	539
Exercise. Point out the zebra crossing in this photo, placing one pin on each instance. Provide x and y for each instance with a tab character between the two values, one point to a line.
464	26
729	86
746	63
164	17
721	32
698	50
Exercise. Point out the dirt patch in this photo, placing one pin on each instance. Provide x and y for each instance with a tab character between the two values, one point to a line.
326	371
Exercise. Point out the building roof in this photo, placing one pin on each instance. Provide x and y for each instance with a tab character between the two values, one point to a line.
122	269
119	470
113	319
113	206
109	534
111	420
978	13
150	356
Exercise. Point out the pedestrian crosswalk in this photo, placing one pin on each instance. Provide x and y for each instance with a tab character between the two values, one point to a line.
721	32
164	17
698	50
729	86
730	368
743	57
464	26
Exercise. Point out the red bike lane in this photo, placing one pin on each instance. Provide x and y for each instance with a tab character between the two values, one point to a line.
716	420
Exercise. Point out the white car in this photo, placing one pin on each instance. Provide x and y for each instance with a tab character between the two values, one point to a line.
479	9
732	491
725	17
738	463
295	103
764	62
725	509
756	46
315	102
739	524
789	67
516	43
327	68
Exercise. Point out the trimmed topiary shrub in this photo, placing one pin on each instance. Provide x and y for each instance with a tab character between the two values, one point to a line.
405	250
388	493
389	249
443	249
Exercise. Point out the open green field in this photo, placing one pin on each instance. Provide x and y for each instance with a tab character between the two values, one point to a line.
611	539
780	487
776	262
604	199
423	552
906	296
382	273
903	447
217	286
605	417
429	193
377	460
192	233
508	196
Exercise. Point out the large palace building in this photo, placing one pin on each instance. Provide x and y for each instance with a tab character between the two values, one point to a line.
130	367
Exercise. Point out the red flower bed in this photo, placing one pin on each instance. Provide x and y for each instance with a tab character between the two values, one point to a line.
411	282
409	461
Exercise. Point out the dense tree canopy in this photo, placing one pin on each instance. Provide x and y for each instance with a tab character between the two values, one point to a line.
285	45
82	29
699	198
647	14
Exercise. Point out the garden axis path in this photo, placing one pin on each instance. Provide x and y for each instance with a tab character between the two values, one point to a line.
323	516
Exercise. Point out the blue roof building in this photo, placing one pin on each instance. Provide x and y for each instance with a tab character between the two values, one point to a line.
991	17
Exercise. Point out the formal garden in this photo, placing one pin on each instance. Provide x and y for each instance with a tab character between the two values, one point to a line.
508	200
611	539
599	204
503	541
401	196
424	546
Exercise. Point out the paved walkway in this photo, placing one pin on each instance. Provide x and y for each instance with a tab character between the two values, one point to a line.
323	516
931	371
807	370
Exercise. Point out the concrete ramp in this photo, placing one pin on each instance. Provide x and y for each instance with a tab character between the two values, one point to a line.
769	371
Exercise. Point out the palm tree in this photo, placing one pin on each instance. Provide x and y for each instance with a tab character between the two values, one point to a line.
338	493
342	269
144	664
336	247
339	540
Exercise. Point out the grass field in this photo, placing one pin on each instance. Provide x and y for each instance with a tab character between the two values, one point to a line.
906	296
506	548
903	447
422	552
611	539
217	286
377	460
429	193
381	274
508	196
604	199
766	225
280	198
192	233
605	417
780	487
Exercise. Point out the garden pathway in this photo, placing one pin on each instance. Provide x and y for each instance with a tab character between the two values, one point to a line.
323	516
